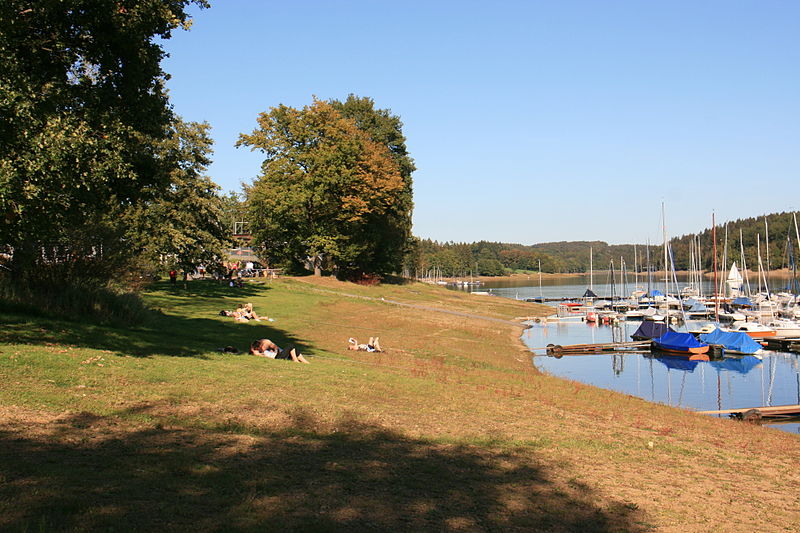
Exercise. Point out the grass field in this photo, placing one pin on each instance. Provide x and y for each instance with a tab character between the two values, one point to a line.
148	427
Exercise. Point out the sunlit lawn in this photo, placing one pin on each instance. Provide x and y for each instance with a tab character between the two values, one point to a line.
149	427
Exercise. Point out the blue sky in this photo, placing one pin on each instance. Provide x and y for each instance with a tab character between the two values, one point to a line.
528	121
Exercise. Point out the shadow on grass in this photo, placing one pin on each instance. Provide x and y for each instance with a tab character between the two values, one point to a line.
208	288
87	474
164	334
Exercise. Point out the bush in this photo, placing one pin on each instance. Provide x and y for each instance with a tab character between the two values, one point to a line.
76	300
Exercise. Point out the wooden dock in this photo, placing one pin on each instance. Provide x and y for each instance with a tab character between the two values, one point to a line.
557	350
782	345
777	412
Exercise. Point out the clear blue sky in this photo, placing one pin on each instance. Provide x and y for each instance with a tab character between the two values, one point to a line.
529	121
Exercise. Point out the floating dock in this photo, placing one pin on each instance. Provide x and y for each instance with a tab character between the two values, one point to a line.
782	345
557	350
777	412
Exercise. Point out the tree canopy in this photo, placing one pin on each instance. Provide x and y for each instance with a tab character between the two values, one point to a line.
331	193
183	226
83	112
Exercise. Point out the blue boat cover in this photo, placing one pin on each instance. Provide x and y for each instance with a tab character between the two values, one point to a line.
678	363
742	365
674	340
656	292
732	340
650	329
742	300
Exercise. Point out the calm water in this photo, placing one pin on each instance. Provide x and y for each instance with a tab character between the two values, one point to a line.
728	384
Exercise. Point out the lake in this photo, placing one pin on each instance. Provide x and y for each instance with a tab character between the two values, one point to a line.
728	384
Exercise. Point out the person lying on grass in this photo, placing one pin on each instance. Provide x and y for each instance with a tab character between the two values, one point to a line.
245	312
372	346
267	348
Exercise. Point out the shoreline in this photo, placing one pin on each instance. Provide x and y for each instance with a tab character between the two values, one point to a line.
783	273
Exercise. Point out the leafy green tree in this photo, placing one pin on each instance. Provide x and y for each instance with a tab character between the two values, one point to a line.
234	212
328	194
83	110
183	226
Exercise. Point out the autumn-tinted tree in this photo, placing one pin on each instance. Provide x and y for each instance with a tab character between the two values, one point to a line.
328	193
83	110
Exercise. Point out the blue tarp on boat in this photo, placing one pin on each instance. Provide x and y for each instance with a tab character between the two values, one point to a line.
649	330
676	341
742	301
742	365
656	292
678	363
737	341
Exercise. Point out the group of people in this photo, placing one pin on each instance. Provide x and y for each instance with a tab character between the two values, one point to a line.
244	313
267	348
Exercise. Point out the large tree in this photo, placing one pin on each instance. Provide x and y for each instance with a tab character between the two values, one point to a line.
328	193
83	110
182	226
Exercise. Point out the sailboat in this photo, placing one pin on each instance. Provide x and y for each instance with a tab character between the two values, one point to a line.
733	282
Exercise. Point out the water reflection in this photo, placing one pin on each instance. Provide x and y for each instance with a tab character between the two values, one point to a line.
730	383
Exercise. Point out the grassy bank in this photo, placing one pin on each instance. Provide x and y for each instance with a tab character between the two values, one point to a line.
450	429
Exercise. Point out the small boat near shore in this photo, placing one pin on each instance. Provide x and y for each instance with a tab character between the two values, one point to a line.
732	342
677	343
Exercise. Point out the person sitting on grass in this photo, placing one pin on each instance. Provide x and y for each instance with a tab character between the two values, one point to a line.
372	346
250	314
267	348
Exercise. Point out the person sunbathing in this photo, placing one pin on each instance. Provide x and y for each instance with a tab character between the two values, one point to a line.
267	348
244	313
373	345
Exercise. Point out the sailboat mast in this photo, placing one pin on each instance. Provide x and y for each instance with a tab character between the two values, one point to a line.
666	259
540	282
623	278
699	267
649	271
797	236
766	277
591	271
692	278
761	267
714	238
796	232
744	263
612	281
724	262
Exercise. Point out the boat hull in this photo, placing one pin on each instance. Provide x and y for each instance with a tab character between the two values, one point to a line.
693	354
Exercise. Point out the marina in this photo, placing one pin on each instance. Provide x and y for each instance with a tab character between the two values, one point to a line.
762	387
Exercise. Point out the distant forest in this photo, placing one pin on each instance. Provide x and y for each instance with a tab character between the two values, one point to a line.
689	251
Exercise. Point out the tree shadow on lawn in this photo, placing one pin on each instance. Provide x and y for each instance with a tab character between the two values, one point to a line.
208	288
85	473
170	335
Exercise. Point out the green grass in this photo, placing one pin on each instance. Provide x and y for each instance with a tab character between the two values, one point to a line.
147	427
